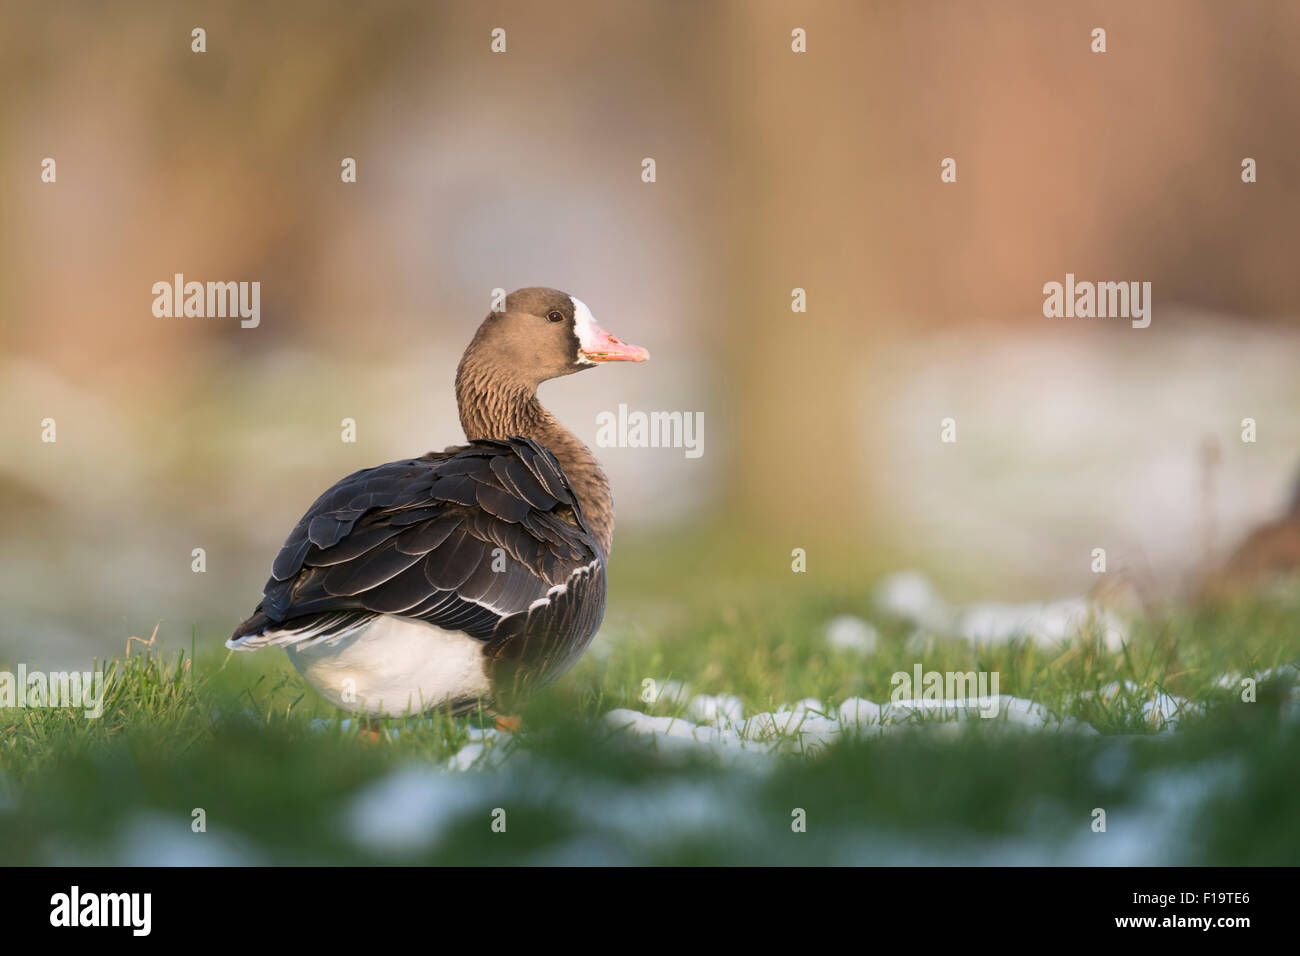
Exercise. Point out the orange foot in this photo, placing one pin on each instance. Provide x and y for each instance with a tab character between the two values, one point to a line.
507	723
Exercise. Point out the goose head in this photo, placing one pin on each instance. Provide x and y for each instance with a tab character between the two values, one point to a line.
543	334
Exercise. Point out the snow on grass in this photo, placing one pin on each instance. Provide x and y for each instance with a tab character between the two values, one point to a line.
673	735
414	808
613	821
999	708
717	725
1050	625
1160	710
857	712
850	633
675	809
409	810
157	839
1233	679
911	597
808	725
666	691
1158	829
1165	710
154	838
724	710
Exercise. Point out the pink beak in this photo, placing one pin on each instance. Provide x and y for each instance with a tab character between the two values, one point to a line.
606	348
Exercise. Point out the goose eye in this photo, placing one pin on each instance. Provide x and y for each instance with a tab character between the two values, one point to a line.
555	316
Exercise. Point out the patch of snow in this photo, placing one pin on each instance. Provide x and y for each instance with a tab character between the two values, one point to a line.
909	595
1048	624
850	633
1165	710
807	725
156	839
809	706
1230	681
1281	671
466	757
1157	830
999	708
410	809
856	712
487	747
674	735
1161	710
724	710
768	726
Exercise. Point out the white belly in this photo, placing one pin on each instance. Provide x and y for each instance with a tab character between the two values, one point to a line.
394	666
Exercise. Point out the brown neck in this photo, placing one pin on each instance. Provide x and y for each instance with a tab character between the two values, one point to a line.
495	407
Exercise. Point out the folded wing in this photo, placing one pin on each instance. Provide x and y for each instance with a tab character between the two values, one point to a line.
483	539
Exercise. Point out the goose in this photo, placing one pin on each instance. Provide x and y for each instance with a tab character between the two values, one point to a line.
466	578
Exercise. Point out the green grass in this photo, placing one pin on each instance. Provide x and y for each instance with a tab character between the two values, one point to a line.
277	774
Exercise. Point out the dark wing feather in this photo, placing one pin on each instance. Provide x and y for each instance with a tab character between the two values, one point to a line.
532	649
487	539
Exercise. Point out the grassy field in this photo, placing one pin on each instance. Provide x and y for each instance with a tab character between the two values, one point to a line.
239	743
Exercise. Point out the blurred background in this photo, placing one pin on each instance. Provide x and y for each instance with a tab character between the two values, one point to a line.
774	171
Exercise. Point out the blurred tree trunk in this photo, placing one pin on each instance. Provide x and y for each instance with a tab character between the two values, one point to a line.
801	174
